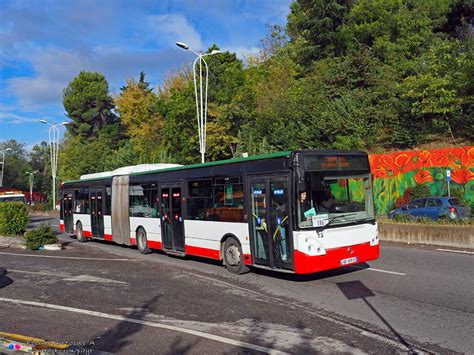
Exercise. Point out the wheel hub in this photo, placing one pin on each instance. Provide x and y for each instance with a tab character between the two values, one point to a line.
233	255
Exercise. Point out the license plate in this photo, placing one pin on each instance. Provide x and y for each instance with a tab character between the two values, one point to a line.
349	261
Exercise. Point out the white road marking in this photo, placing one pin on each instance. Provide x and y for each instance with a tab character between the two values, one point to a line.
150	324
65	257
227	284
379	270
456	251
67	277
90	278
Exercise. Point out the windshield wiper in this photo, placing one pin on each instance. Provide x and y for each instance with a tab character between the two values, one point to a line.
335	219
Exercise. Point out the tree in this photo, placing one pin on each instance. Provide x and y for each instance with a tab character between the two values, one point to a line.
316	25
398	31
435	90
84	157
95	133
39	159
15	165
88	104
177	106
137	106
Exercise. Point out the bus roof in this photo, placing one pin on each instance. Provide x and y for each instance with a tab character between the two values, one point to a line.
176	167
100	176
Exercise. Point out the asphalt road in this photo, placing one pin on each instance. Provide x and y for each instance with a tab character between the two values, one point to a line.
113	299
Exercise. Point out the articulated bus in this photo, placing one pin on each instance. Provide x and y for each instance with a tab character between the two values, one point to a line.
298	211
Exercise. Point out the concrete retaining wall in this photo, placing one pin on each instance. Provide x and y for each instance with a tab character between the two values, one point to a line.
446	236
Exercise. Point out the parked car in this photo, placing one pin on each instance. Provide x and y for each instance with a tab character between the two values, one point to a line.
434	208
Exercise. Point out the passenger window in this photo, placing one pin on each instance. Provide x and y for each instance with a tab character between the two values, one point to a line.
199	199
228	203
143	200
108	201
82	201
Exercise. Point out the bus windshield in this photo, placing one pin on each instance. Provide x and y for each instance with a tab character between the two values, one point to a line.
338	199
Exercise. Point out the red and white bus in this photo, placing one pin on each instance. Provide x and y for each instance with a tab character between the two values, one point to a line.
245	212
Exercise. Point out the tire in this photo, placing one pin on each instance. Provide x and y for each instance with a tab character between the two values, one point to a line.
80	233
142	242
233	257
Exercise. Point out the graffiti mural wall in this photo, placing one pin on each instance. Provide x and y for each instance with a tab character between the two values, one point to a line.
394	173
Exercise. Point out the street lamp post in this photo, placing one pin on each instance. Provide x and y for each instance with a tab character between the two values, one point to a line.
31	178
54	150
201	98
3	164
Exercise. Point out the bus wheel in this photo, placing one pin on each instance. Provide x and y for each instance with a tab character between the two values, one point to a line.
142	242
79	233
233	257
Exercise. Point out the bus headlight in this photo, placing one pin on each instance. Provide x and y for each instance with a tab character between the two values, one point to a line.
374	240
310	245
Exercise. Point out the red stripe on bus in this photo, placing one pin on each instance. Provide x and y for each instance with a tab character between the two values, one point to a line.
87	234
207	253
151	244
108	237
306	264
154	245
247	259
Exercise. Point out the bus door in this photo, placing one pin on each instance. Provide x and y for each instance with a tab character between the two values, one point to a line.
172	222
68	211
97	212
269	223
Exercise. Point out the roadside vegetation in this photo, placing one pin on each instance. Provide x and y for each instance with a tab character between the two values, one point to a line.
404	219
377	76
345	75
43	235
14	221
13	218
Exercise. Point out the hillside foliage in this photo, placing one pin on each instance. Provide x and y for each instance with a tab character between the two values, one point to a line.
378	75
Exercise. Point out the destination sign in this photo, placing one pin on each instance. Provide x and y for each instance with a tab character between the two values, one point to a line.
335	162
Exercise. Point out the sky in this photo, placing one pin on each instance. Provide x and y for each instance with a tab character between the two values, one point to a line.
45	44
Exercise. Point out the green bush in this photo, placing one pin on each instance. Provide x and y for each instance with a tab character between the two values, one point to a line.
419	191
403	218
40	236
13	218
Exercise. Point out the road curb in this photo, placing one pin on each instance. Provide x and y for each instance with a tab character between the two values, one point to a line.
443	236
19	243
11	242
55	246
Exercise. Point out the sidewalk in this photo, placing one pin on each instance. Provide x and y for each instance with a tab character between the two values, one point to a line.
12	242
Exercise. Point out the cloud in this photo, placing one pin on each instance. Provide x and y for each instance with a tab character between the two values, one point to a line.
243	53
173	27
56	68
13	118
